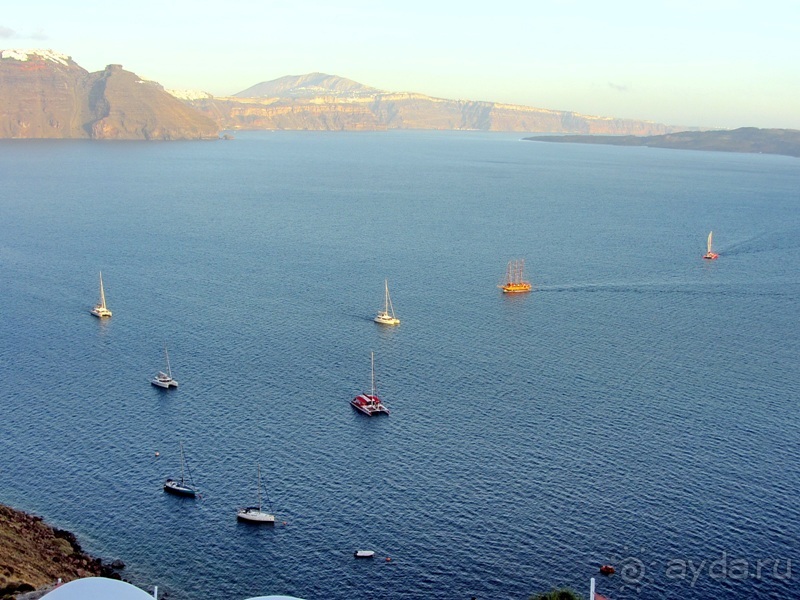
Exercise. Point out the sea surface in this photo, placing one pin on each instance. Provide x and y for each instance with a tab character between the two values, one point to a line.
638	408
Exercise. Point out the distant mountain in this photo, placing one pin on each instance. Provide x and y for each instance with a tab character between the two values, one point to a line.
318	101
745	139
312	85
45	94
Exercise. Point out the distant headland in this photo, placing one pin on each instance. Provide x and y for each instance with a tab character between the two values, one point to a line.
746	139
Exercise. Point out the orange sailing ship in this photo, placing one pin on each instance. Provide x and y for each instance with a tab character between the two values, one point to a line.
514	282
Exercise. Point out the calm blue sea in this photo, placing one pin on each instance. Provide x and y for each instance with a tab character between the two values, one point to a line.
639	408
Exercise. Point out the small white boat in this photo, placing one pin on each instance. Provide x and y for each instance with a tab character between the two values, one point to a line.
254	514
182	486
162	379
386	316
100	309
364	553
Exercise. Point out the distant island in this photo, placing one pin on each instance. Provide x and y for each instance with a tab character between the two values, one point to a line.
746	139
45	94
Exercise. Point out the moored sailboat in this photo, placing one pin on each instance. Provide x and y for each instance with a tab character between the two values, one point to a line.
515	282
182	486
255	514
386	316
370	404
162	379
100	309
709	254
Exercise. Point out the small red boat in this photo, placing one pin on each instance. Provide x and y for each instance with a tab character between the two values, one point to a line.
710	255
607	570
370	404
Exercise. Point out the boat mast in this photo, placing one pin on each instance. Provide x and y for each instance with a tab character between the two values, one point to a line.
102	293
181	463
169	371
386	297
259	486
372	361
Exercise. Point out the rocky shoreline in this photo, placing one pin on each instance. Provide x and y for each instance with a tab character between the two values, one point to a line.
34	556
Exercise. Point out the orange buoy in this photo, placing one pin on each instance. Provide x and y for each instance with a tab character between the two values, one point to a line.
388	559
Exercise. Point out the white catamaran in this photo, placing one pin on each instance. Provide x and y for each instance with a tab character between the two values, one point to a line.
386	316
254	514
162	379
100	309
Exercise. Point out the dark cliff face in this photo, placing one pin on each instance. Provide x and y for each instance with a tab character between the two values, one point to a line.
48	95
41	98
124	107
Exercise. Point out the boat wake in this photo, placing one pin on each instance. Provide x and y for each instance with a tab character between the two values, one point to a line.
686	289
764	242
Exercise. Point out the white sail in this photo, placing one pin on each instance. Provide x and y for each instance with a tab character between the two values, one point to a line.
102	292
100	309
710	235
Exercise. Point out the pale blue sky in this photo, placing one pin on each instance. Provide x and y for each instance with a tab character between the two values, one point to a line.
726	63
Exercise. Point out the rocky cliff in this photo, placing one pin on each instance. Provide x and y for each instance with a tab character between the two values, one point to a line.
34	555
44	94
325	102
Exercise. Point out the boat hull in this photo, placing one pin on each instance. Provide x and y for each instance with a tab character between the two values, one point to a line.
175	488
369	405
711	256
164	383
385	319
516	288
100	312
254	515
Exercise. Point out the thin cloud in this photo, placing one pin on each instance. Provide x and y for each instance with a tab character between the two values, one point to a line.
6	33
617	87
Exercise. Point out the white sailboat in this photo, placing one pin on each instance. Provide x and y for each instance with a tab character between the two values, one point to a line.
100	309
386	316
162	379
709	254
254	514
181	487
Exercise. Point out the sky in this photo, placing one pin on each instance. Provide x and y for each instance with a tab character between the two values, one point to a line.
708	63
